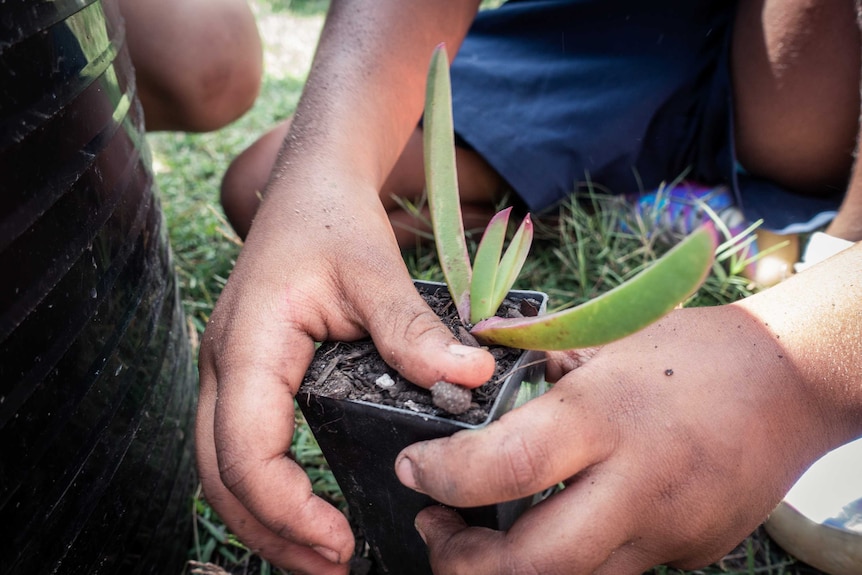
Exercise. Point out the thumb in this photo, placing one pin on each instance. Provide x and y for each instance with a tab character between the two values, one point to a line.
415	342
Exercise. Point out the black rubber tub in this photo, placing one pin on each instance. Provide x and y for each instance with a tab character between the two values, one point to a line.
97	389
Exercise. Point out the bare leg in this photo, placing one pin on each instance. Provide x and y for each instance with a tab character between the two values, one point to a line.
796	67
847	224
796	74
198	63
479	185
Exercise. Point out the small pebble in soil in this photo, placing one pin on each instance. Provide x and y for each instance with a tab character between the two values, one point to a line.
450	397
385	381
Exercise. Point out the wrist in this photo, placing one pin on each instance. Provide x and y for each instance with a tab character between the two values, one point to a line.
816	319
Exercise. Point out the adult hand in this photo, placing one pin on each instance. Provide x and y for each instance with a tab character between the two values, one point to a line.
674	443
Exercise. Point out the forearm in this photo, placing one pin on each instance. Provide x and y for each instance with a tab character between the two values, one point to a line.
816	318
365	92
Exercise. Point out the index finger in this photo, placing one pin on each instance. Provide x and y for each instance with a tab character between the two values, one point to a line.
512	457
244	430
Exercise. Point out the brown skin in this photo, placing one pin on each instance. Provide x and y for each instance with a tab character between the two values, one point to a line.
320	232
661	468
796	66
198	63
796	72
479	186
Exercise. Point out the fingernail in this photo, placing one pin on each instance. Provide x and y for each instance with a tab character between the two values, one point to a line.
404	471
327	553
459	350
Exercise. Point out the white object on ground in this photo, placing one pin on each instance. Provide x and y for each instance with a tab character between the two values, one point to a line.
821	247
820	519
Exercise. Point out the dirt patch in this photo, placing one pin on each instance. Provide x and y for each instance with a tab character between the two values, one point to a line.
354	370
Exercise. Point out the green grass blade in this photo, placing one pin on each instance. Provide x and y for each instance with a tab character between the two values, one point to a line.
482	302
622	311
513	260
441	180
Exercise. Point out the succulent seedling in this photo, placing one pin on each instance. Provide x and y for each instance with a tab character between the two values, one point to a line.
479	289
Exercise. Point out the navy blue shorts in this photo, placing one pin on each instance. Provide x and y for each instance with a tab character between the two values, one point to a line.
625	94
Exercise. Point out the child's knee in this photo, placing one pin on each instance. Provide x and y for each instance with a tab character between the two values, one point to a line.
219	93
198	63
222	83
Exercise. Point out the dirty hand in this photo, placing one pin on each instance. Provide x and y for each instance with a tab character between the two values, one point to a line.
674	444
307	273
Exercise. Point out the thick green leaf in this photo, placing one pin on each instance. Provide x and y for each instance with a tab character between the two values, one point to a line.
482	290
624	310
512	261
441	180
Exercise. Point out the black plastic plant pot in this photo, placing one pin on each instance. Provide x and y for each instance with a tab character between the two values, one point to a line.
360	440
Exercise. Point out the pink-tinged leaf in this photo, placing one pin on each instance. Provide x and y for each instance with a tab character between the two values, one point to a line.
482	302
442	183
513	261
624	310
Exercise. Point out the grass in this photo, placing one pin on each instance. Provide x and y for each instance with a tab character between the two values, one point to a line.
188	170
579	253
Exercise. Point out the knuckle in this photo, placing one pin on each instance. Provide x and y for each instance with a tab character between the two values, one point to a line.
420	324
524	464
409	330
233	472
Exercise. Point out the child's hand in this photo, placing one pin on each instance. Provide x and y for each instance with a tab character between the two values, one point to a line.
674	444
303	277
